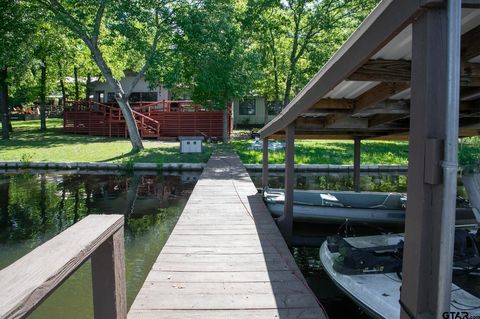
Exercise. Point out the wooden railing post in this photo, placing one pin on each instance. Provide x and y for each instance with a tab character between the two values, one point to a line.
108	279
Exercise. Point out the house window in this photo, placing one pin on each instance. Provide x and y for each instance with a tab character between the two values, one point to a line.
135	97
110	97
149	96
143	97
273	107
247	107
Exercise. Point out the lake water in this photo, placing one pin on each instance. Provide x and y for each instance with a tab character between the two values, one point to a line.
35	207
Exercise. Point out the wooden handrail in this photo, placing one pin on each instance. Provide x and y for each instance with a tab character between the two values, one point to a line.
31	279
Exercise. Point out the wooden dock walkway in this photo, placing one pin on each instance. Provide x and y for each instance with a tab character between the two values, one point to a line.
225	258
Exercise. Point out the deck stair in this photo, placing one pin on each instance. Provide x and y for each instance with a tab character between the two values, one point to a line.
106	120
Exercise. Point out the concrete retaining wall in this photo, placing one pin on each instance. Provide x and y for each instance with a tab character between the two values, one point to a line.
191	167
103	166
329	168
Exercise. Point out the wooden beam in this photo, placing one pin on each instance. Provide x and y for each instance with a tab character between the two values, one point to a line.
469	106
320	123
32	278
108	279
265	163
381	119
335	104
356	163
387	20
475	4
470	122
400	71
469	93
383	71
423	236
378	94
285	222
309	123
470	45
465	132
387	107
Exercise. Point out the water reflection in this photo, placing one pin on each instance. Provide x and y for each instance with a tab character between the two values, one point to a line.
339	181
35	207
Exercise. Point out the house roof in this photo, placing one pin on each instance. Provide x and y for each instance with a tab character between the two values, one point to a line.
364	89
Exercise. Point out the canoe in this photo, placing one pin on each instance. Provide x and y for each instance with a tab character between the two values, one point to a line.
336	207
379	293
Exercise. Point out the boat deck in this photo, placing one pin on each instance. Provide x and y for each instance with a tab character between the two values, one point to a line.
226	257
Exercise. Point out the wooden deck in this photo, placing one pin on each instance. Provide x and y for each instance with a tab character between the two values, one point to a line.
154	119
225	258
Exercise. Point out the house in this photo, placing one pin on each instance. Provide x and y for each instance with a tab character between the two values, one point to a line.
250	111
103	93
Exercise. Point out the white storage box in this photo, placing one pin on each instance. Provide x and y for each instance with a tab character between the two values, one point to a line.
190	144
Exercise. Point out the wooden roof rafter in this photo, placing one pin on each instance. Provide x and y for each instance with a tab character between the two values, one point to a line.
362	59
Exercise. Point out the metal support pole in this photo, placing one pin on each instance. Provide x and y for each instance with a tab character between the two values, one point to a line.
356	164
285	222
450	163
429	224
265	163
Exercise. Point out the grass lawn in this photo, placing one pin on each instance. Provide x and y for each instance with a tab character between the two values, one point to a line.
341	152
330	152
28	143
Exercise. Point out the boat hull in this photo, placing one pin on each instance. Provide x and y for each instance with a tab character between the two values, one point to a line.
378	294
368	208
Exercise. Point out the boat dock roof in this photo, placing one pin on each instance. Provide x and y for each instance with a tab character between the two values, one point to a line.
226	257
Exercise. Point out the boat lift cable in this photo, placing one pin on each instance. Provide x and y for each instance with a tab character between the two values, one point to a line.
247	211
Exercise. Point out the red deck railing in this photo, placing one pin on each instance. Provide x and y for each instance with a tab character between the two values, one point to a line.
154	119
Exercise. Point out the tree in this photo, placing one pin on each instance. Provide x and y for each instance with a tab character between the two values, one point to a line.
214	60
17	25
296	37
133	26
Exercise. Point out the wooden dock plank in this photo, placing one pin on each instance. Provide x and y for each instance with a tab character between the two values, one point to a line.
303	313
225	258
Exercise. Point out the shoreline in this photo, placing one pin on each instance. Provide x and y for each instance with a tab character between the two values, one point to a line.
92	166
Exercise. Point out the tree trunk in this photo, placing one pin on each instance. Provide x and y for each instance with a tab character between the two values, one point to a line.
132	195
4	202
132	127
43	96
87	87
75	75
225	124
265	115
76	204
43	202
120	96
61	208
62	85
4	103
288	89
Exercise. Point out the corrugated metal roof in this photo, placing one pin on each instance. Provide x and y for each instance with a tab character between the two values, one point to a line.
355	59
399	48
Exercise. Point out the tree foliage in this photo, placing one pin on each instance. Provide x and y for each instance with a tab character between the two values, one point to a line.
212	50
296	37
